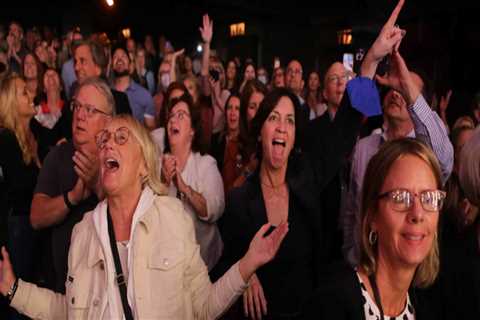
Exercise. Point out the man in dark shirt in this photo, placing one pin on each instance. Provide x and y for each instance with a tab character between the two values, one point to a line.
67	183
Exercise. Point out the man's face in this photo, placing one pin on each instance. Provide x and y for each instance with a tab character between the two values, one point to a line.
86	124
293	77
394	105
121	63
335	82
85	67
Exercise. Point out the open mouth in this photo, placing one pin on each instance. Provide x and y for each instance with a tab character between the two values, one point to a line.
279	142
174	131
111	164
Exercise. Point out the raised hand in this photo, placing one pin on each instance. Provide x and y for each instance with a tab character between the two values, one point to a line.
168	168
7	277
262	249
400	79
444	102
254	302
87	167
206	30
387	42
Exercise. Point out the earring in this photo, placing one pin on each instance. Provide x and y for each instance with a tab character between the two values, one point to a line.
372	237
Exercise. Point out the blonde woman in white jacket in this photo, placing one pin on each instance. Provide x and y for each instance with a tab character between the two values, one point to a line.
159	258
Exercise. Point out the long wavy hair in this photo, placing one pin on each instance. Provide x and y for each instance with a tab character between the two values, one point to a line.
10	119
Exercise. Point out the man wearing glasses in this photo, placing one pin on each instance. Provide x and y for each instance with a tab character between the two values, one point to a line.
67	183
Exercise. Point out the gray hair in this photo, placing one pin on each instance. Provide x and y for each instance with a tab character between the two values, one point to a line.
101	87
469	173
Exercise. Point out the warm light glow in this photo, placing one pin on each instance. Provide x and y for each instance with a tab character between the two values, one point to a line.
126	33
199	48
110	3
345	37
237	29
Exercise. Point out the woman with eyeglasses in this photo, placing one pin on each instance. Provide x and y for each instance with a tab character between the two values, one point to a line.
401	204
192	176
135	255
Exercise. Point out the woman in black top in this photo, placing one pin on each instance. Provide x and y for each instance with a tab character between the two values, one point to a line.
20	165
52	123
278	191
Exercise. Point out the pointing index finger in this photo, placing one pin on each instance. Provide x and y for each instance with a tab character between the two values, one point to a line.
394	16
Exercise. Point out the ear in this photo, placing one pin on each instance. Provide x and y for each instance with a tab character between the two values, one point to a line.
98	70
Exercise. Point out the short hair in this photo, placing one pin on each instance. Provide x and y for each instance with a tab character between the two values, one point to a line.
469	173
196	122
97	52
149	151
103	88
377	170
121	46
266	107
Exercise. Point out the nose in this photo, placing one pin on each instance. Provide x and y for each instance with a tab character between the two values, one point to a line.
416	212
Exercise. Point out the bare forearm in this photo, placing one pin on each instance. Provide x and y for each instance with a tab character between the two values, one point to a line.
198	202
368	67
47	211
205	59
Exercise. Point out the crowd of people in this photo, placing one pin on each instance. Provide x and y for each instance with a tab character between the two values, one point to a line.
138	182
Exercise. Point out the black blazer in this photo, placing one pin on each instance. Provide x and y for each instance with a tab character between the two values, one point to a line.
340	297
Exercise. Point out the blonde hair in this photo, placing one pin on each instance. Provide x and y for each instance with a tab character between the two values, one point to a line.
377	170
469	172
9	117
149	152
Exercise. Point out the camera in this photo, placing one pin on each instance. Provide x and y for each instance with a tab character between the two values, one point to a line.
214	74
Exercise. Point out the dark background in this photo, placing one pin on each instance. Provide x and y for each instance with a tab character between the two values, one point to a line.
443	39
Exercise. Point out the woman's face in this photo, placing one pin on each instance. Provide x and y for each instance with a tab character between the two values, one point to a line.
192	89
51	80
179	125
24	102
233	113
121	161
231	70
278	134
187	63
249	73
405	238
313	81
41	52
255	99
30	67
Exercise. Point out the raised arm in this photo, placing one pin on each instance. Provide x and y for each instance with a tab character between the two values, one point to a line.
206	32
387	41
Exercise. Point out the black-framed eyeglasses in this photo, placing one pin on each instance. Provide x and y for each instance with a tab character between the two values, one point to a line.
402	199
179	115
89	109
120	136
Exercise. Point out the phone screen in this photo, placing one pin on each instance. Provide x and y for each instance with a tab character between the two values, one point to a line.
348	61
